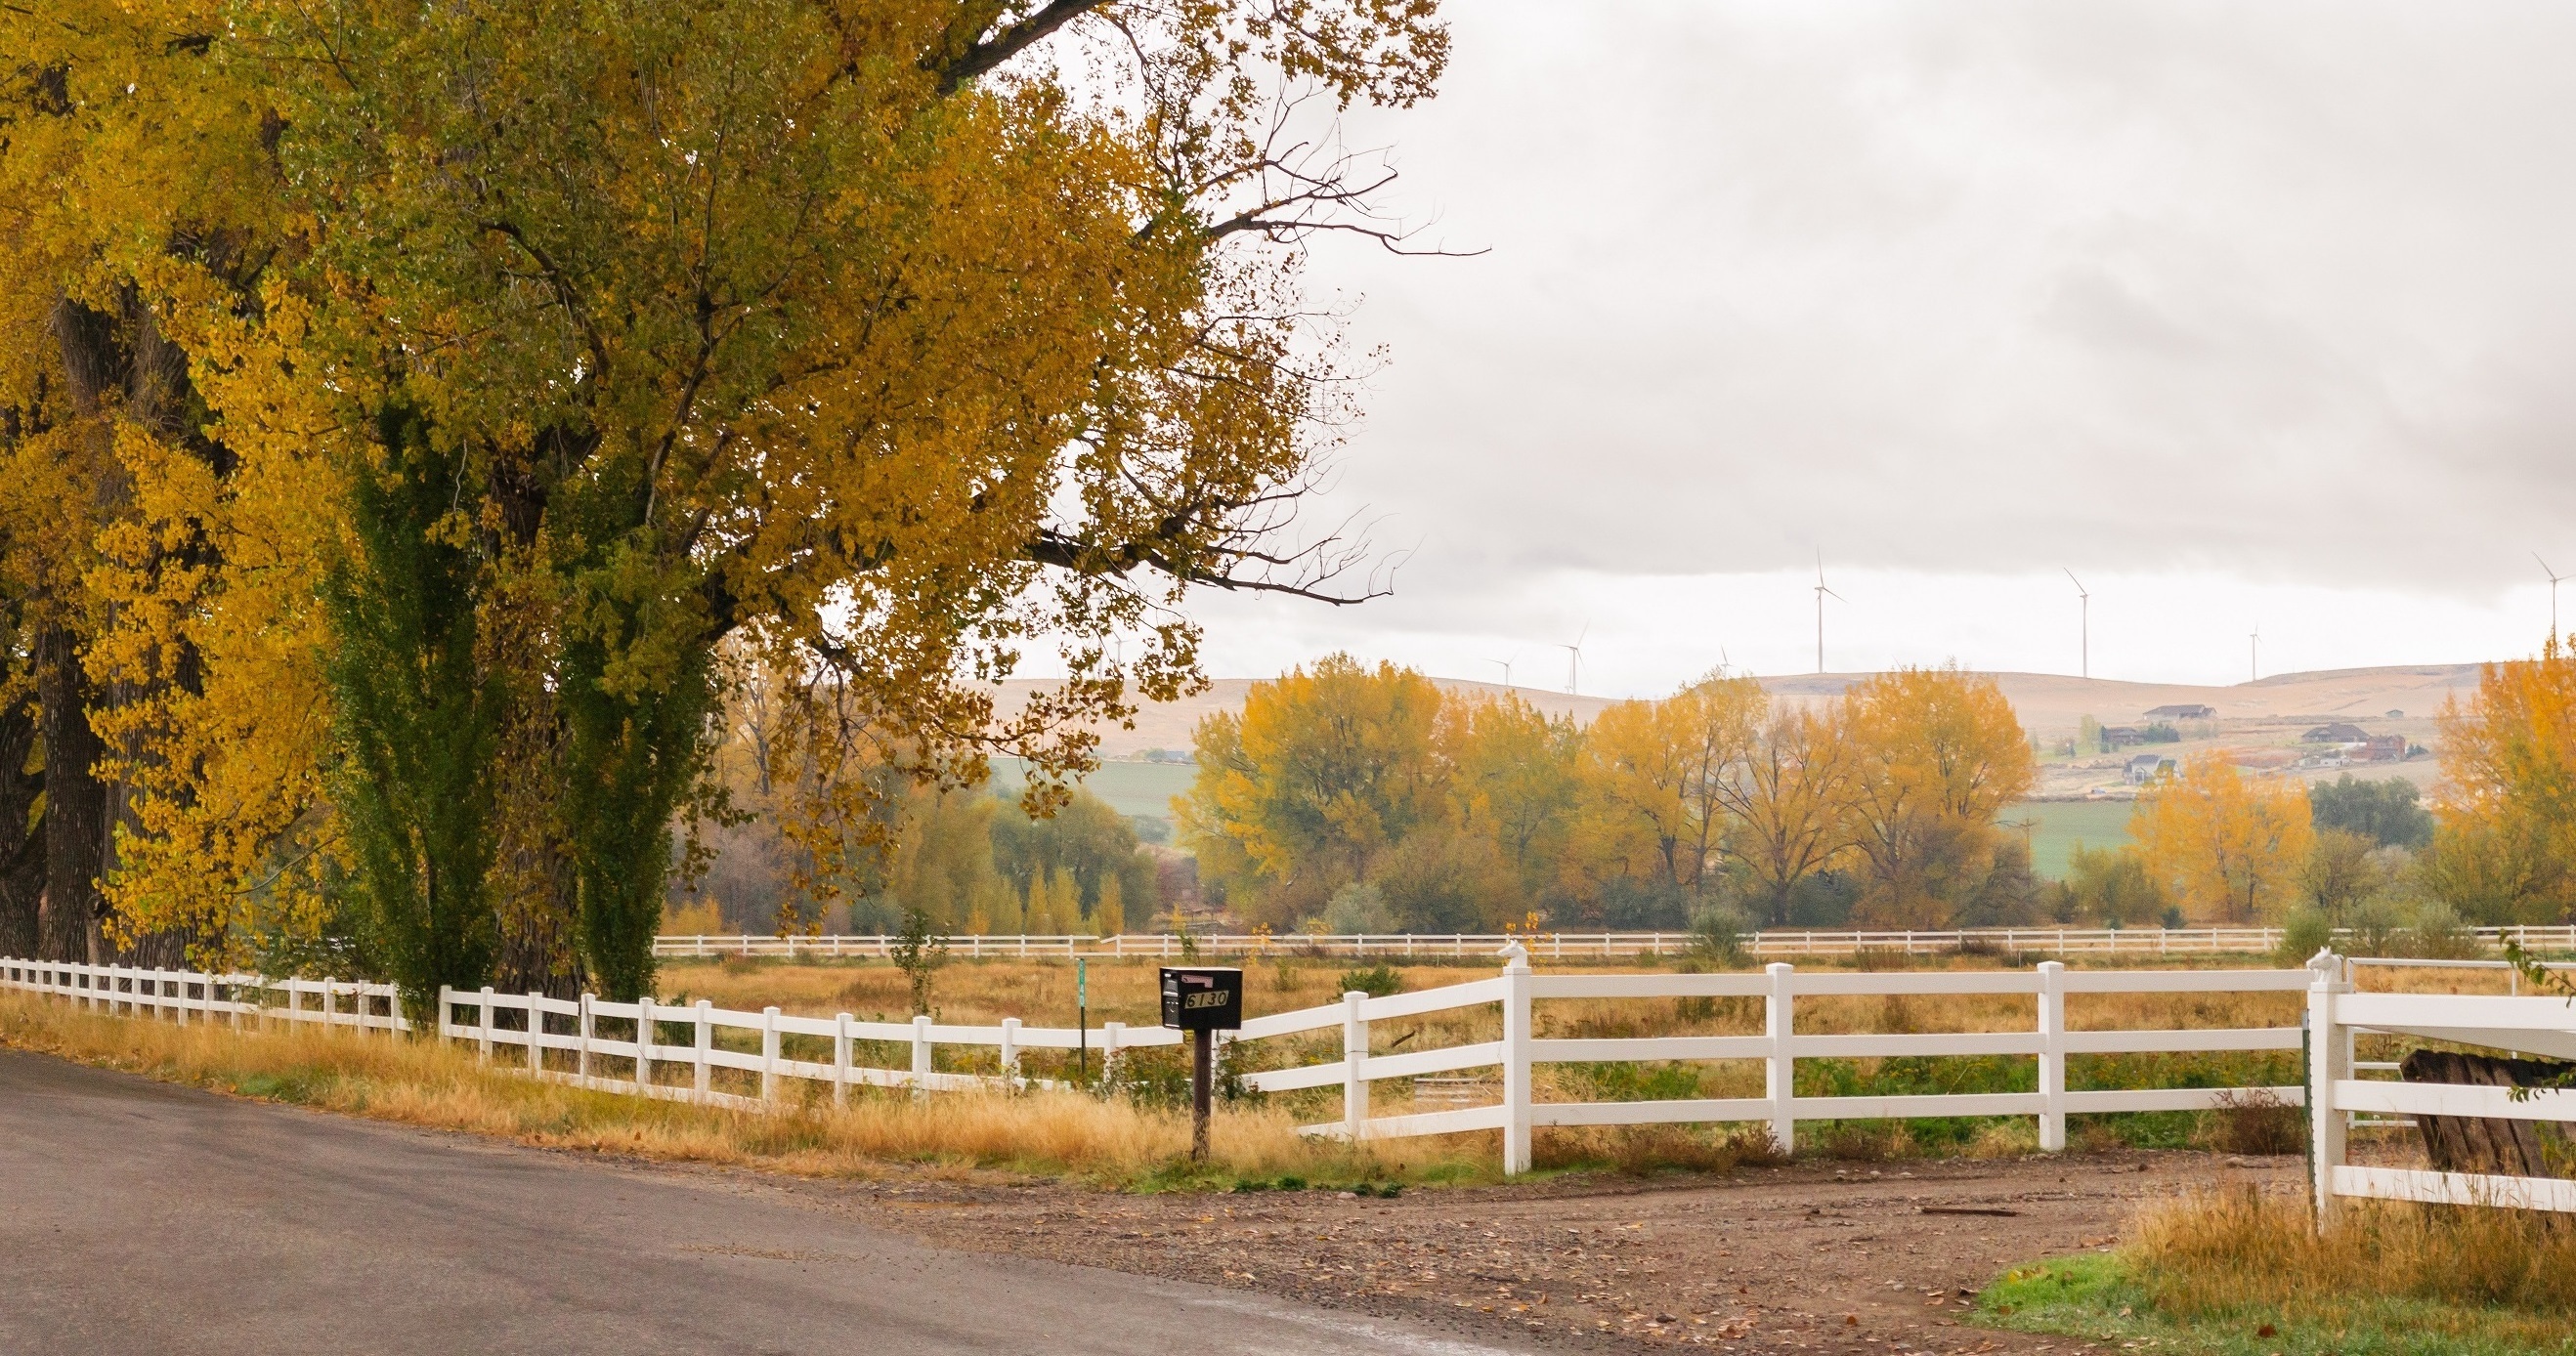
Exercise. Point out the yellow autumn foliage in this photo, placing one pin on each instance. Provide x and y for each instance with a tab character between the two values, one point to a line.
2229	847
2505	810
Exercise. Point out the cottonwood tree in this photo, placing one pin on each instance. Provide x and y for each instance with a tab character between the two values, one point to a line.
2505	814
1658	778
1791	804
134	172
1940	754
1514	777
1323	772
881	337
2228	846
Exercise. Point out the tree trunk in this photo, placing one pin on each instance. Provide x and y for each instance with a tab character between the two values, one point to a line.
75	826
22	842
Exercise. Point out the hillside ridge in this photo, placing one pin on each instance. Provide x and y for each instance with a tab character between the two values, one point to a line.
2046	703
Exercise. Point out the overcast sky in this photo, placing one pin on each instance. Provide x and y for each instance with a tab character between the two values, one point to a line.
2255	316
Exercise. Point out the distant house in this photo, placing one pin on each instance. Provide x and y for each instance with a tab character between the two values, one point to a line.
2388	748
2183	711
2121	737
2337	733
2146	767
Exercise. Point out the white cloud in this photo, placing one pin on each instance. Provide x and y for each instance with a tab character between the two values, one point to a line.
2250	314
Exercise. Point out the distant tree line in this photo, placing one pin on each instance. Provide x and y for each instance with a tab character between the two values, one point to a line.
1367	799
969	861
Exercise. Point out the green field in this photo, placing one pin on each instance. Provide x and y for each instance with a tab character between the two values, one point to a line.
1130	788
2060	825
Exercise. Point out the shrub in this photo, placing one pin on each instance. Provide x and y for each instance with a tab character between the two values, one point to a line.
1717	934
2303	934
2439	934
2378	927
1358	908
1377	981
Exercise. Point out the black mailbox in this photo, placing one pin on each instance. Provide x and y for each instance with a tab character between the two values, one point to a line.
1198	998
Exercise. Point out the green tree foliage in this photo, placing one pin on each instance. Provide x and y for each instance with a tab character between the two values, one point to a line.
2114	887
1085	838
419	719
943	867
2341	870
2390	812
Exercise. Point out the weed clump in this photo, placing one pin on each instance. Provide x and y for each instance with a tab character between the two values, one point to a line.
2254	1121
1377	981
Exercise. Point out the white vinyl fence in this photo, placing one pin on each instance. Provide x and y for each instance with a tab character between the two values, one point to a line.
1779	987
1555	945
674	1051
2542	1025
535	1024
187	995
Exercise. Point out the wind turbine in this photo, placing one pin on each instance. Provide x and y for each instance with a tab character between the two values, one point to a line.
1574	660
1506	666
2554	577
2084	656
1822	593
2254	655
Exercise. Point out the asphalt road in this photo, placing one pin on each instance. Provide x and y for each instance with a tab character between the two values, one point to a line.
139	1217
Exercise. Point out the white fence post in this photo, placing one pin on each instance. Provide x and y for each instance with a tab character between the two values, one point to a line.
446	997
920	1055
703	1043
581	1050
1355	1089
536	1032
1516	1058
295	1005
769	1054
2052	1056
841	1060
485	1047
1110	1035
1011	1052
1780	1070
2328	1062
643	1043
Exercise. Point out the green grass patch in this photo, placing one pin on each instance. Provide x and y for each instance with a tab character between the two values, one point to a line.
2110	1297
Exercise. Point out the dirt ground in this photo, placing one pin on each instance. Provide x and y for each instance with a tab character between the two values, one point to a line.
1832	1257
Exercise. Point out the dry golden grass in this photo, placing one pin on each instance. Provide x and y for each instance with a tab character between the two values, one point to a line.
2237	1273
445	1087
2222	1251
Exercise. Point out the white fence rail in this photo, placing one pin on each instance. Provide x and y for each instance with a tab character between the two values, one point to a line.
1779	986
647	1054
676	1051
1555	945
188	995
2521	1023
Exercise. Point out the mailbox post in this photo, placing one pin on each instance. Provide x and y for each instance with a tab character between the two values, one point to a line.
1202	1000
